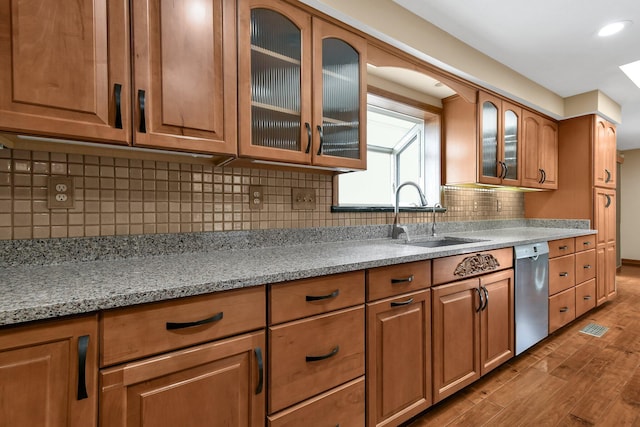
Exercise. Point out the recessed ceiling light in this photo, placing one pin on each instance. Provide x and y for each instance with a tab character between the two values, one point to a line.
613	28
632	70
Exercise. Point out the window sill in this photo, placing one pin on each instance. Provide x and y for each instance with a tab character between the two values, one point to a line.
338	209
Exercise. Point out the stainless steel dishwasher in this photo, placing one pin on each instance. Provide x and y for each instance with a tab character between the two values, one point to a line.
531	294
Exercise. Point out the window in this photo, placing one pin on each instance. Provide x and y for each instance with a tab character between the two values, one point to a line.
403	144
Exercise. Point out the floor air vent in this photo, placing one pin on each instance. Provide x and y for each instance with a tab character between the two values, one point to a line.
594	329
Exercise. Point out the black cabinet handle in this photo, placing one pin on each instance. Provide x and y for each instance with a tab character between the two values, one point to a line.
308	126
117	91
586	297
608	178
481	302
402	280
586	243
401	303
608	200
563	248
83	347
141	104
258	353
486	298
541	180
506	170
588	266
564	309
183	325
321	297
321	140
564	274
324	356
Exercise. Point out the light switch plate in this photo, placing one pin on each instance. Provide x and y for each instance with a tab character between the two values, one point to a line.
303	198
61	192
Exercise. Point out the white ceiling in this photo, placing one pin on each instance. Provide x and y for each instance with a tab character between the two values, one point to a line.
552	42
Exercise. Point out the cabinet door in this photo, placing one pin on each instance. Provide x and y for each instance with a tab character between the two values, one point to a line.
215	384
274	92
339	97
540	151
497	320
398	358
548	157
601	275
64	68
456	337
48	374
610	271
489	147
605	216
511	144
184	70
604	162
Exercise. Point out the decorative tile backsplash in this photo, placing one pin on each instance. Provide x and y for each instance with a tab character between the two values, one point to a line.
116	196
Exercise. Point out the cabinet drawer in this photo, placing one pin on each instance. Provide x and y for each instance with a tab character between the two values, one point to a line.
584	243
302	298
561	247
561	273
310	356
134	332
585	265
383	282
562	309
585	297
452	268
343	406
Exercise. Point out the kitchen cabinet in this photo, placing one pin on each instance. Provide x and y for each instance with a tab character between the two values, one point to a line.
183	67
316	346
64	69
473	321
301	88
605	154
399	350
500	141
605	220
540	151
49	373
192	361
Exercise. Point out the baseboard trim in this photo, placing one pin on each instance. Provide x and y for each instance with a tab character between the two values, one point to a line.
634	262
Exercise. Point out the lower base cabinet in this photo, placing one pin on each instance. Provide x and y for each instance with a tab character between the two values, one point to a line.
398	358
215	384
49	373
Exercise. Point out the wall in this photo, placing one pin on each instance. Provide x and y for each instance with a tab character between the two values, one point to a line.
629	194
117	196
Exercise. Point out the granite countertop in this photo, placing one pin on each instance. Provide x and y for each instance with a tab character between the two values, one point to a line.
34	292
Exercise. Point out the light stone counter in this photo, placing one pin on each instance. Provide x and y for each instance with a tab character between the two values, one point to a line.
32	292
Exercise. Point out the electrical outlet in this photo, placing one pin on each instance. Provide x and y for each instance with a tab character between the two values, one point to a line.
475	206
61	192
303	198
499	205
256	197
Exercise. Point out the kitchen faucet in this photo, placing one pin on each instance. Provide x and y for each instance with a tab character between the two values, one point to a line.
399	229
433	224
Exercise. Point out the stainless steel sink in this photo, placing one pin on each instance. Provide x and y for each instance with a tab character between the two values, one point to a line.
443	241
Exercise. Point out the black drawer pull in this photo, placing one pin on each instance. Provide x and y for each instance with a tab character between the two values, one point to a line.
564	309
564	274
587	266
324	356
141	104
258	353
117	92
586	297
586	243
321	297
83	347
563	248
401	303
402	280
174	325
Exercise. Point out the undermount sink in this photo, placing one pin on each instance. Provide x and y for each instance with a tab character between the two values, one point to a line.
444	241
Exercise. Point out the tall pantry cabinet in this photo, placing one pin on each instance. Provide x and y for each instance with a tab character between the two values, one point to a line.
586	190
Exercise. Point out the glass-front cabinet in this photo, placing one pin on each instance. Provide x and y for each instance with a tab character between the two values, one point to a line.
302	91
500	141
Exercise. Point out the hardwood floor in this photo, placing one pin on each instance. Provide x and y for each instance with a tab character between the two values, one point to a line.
569	379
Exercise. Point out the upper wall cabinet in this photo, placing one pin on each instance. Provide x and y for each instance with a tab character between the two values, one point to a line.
65	67
540	142
184	74
499	145
605	154
302	88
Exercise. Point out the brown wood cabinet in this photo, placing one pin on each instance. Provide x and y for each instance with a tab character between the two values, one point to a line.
540	146
49	373
473	330
215	384
64	69
605	220
302	87
398	358
605	154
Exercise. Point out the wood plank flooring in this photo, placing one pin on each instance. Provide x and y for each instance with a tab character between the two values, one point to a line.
569	379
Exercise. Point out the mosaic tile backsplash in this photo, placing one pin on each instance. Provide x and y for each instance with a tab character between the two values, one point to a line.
116	196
